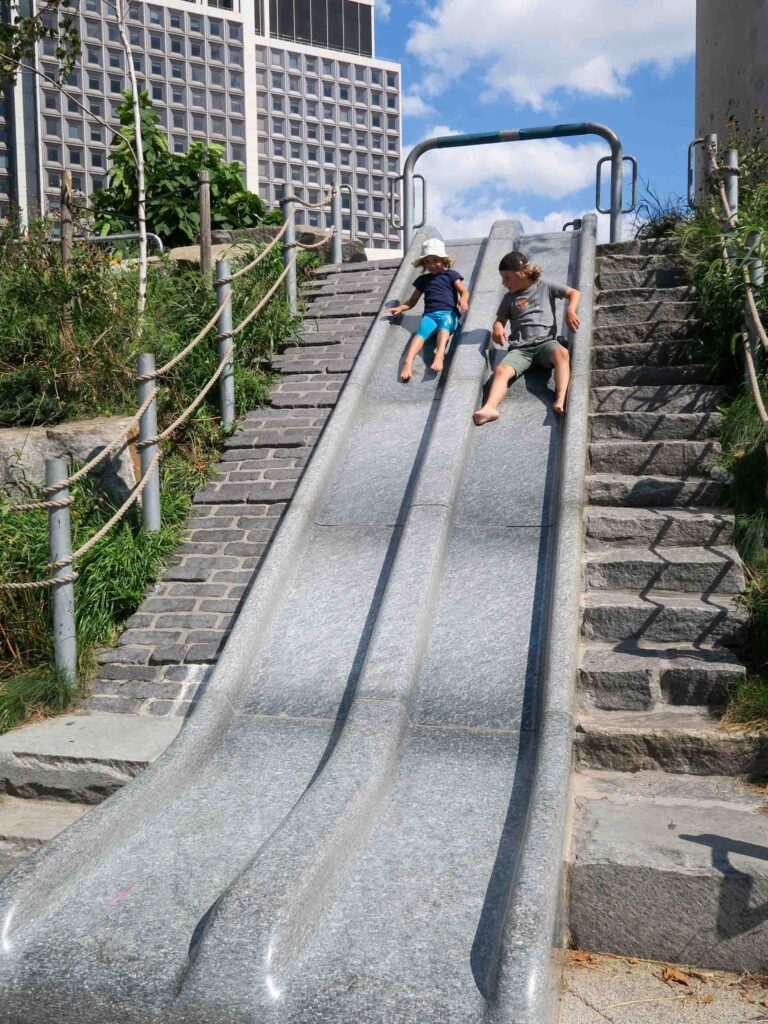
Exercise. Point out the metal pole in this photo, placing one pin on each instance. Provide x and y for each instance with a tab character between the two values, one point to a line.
337	253
289	252
205	223
63	595
224	342
710	149
731	179
150	498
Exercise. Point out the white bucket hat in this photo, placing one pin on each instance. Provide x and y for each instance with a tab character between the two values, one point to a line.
432	247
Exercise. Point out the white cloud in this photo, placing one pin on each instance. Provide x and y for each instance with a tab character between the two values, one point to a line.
530	48
414	106
383	9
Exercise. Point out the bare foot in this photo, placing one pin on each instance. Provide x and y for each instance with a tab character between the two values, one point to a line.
485	415
437	364
405	373
559	407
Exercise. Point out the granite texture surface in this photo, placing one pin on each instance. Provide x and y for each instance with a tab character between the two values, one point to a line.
349	828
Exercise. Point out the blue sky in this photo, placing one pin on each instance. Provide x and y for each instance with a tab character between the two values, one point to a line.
480	66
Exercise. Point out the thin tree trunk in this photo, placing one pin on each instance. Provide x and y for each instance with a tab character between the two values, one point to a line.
122	16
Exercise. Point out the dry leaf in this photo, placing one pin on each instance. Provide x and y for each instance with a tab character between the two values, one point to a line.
580	957
707	999
673	977
764	1002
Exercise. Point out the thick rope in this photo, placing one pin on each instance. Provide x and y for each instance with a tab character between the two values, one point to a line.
262	254
762	412
309	206
34	506
167	367
194	405
314	245
246	320
732	219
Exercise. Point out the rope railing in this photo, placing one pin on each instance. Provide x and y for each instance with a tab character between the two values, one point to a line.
56	499
732	219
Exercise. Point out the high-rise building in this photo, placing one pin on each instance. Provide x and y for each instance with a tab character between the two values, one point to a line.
290	88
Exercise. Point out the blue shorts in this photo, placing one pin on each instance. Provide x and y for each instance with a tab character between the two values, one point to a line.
439	320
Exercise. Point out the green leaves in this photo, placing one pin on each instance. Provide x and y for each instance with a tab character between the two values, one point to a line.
20	34
172	185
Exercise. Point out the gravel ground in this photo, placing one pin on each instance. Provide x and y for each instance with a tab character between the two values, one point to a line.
600	989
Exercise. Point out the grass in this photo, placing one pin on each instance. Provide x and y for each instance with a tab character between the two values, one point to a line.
48	375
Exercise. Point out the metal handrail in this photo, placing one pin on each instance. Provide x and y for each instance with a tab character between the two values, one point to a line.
121	237
708	142
598	184
557	131
391	202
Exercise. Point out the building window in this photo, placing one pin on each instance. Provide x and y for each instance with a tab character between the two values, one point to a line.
198	122
175	19
96	133
97	160
195	24
215	51
214	28
155	16
177	45
53	154
198	98
179	144
157	92
196	50
197	73
75	157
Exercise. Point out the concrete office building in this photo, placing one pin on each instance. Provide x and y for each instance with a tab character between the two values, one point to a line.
731	63
290	88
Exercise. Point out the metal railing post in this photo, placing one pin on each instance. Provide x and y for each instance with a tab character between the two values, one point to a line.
148	446
63	594
731	179
205	223
289	251
337	251
224	342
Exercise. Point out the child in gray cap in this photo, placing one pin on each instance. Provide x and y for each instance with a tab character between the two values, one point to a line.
529	307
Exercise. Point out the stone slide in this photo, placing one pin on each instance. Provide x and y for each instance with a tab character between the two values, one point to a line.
335	835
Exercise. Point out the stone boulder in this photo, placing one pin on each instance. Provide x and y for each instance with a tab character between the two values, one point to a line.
23	452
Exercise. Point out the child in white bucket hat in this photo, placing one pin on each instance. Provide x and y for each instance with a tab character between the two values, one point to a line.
445	299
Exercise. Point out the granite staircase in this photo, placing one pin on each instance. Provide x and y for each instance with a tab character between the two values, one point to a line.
661	627
52	773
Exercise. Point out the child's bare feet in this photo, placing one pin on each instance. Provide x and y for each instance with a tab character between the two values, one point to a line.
485	415
559	406
405	373
437	364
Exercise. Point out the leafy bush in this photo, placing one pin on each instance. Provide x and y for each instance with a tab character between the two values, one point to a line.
47	375
172	185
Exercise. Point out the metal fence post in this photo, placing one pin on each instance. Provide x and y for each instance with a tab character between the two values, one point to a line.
710	149
731	178
289	252
150	498
224	342
63	595
205	223
337	252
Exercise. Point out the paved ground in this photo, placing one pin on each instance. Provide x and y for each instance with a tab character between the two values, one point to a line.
601	989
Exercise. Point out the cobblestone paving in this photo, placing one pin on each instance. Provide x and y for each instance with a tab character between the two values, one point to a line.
171	643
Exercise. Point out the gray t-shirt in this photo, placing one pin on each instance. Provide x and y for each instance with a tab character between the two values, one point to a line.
531	313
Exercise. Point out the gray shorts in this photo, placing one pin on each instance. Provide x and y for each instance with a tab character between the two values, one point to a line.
539	355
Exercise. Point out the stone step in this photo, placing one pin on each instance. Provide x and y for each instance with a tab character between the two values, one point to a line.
81	758
652	491
695	570
643	312
670	739
670	868
655	426
328	359
641	247
360	267
664	398
343	307
25	825
349	284
630	295
642	333
655	526
666	274
307	391
653	353
623	376
654	458
614	616
638	677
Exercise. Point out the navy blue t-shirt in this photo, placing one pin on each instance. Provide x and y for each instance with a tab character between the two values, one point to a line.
438	290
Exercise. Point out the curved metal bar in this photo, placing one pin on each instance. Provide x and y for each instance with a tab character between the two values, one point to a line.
125	236
391	202
691	147
598	183
575	224
557	131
